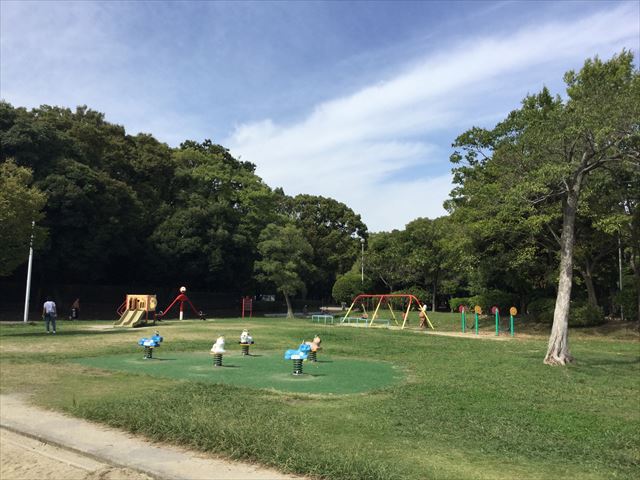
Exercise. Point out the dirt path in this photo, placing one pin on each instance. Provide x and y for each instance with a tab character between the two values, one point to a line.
24	458
46	445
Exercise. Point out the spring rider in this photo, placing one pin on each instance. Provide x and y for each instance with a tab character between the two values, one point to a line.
217	351
315	346
246	340
149	344
298	356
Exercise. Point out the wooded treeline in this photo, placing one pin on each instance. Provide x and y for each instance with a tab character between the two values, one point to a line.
114	208
551	191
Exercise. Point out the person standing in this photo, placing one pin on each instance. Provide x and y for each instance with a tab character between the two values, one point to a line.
75	310
49	314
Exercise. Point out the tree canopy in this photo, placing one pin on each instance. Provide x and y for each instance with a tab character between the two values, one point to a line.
526	176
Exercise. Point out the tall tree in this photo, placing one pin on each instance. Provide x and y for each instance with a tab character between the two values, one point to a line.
435	252
218	208
284	253
333	230
386	259
20	205
542	156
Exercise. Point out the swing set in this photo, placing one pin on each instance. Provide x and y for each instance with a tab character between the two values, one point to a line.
375	302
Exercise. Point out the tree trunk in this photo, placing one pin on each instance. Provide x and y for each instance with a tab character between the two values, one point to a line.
558	349
587	276
289	307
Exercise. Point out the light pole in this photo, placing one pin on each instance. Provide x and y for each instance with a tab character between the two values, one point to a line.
28	292
620	276
362	260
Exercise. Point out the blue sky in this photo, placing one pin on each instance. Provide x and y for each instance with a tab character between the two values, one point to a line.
359	101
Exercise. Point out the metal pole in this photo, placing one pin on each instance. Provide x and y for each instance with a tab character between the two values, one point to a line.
476	323
497	322
464	322
362	261
620	275
511	324
28	289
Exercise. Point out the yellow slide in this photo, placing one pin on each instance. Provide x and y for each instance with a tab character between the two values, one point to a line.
131	318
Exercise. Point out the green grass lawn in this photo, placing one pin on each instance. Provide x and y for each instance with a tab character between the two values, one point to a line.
451	408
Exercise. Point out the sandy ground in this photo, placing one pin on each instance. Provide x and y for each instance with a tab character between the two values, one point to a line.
23	458
38	444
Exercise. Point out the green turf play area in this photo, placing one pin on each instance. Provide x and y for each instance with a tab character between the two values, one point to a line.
329	375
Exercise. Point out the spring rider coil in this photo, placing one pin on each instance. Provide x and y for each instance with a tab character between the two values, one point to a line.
297	366
298	356
217	359
217	350
246	340
149	344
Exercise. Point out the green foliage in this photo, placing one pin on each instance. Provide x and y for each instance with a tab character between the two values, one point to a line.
491	298
284	253
334	232
415	290
552	168
541	310
385	259
628	299
581	314
20	205
349	285
455	302
585	315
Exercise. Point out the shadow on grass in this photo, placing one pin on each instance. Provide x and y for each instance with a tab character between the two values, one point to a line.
602	362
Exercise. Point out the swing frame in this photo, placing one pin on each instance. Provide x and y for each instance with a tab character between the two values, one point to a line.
386	297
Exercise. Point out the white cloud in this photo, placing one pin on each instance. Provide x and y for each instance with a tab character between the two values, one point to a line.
349	147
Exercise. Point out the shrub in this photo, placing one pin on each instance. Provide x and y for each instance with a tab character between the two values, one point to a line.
628	300
585	315
349	285
541	310
418	292
580	314
454	303
488	299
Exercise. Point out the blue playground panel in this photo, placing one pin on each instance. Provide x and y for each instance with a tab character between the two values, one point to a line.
322	318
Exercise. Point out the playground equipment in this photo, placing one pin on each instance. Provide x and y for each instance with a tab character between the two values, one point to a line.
380	300
298	356
134	311
315	346
247	304
324	318
149	344
182	297
246	340
217	350
513	311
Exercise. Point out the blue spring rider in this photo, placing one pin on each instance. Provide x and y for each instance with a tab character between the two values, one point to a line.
298	356
149	344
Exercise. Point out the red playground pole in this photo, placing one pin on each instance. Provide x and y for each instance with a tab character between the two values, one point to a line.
247	302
